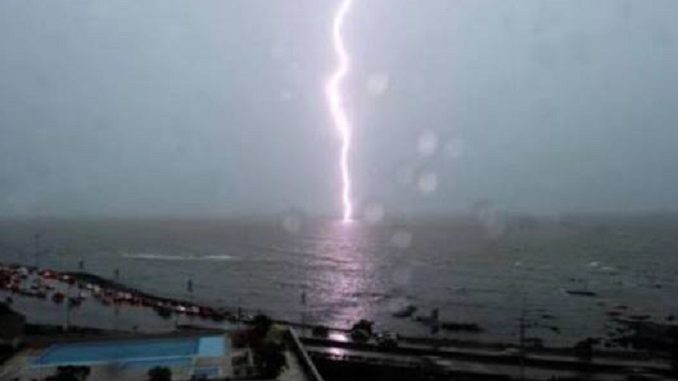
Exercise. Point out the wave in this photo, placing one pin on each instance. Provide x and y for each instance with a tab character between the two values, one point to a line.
173	257
314	254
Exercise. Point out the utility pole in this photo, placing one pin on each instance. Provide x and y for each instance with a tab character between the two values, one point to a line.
189	288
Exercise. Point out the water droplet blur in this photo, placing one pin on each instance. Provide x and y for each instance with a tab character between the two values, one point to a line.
489	220
494	227
427	182
454	148
401	239
427	144
608	269
286	95
374	212
377	84
402	276
292	222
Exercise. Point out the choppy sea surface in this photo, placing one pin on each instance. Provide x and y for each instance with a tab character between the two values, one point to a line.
485	271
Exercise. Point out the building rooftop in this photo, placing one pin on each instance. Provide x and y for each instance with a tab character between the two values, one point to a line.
198	356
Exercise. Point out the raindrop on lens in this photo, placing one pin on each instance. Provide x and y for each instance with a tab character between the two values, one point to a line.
377	84
402	276
427	144
292	223
402	239
427	182
454	148
374	213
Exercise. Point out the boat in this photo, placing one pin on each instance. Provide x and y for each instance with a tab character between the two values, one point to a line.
581	292
405	312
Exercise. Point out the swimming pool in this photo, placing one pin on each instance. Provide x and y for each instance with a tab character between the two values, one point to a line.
211	346
135	353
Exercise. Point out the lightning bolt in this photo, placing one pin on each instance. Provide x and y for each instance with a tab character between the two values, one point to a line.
334	99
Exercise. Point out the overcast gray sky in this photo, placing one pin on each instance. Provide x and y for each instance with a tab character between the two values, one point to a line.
127	107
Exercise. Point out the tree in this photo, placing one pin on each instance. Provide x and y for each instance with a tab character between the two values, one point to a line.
584	349
159	373
362	331
364	325
271	359
320	331
262	324
70	373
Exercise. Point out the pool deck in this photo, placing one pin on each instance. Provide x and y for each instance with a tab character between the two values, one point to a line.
212	353
209	359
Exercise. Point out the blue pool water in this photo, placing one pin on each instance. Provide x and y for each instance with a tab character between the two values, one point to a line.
213	346
176	352
178	362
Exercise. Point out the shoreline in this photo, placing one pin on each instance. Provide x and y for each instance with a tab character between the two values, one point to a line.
110	293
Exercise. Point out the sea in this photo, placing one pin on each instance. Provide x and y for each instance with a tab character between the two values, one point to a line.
500	273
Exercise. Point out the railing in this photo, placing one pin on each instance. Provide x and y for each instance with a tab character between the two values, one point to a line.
304	358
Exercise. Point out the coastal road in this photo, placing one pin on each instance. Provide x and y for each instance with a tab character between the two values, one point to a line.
482	361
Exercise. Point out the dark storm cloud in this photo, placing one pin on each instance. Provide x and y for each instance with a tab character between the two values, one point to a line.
165	108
